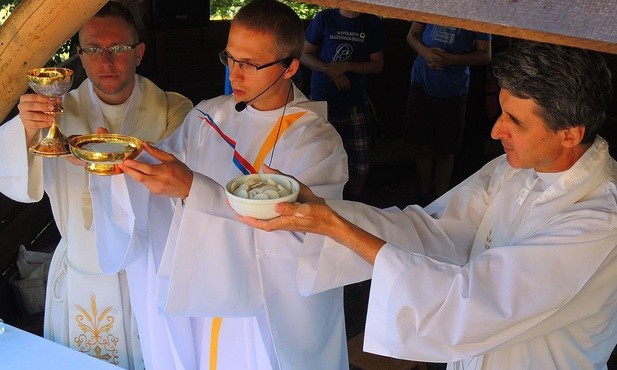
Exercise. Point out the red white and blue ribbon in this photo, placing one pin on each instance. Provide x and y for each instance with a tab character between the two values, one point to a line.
243	165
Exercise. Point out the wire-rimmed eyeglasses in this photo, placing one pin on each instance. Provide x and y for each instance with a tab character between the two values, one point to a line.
116	50
248	67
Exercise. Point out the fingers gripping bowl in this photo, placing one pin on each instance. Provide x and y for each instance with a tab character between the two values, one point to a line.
256	195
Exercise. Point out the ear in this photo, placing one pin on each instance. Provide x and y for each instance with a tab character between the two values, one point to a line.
140	49
572	136
293	68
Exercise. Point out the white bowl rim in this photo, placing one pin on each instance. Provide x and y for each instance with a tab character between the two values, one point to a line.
294	182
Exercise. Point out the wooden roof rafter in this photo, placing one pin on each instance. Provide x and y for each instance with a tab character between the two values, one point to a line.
589	24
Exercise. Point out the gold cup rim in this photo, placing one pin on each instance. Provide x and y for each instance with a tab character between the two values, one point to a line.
64	74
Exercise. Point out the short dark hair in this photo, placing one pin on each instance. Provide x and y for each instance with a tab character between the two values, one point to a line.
117	10
571	86
278	19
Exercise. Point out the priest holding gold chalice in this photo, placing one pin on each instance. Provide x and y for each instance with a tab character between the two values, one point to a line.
132	109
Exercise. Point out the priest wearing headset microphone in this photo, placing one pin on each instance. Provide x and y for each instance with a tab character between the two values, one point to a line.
229	291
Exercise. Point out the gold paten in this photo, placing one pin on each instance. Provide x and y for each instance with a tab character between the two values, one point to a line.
103	152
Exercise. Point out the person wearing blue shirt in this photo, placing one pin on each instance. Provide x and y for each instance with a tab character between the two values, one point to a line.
438	98
341	48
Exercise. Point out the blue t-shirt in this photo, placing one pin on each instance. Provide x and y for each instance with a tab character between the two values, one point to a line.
452	80
343	39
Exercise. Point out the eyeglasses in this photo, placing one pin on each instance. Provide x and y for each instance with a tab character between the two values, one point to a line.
113	51
249	68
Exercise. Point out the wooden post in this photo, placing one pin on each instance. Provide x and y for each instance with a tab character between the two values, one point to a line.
31	35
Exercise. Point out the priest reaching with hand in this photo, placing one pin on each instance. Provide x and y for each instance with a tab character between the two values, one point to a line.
514	268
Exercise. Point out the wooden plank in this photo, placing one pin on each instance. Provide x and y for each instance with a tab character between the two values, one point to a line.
589	24
31	35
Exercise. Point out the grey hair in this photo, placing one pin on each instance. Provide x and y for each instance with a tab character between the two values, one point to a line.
571	86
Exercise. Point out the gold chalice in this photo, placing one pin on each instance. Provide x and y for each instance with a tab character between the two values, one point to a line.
51	83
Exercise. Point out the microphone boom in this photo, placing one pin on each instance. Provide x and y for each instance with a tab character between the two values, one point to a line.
240	106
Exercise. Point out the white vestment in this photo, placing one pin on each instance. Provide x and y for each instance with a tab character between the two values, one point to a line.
208	264
511	269
85	309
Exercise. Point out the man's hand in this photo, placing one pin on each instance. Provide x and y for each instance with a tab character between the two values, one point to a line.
32	108
170	178
303	217
342	83
447	59
320	219
310	216
334	70
435	58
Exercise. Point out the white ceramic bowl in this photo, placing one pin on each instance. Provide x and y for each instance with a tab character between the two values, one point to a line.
260	208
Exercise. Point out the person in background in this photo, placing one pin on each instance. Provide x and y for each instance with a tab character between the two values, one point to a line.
515	267
438	99
86	309
228	292
342	47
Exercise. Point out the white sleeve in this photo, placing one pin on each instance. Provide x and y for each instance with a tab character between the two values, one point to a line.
430	310
21	173
330	264
209	252
120	208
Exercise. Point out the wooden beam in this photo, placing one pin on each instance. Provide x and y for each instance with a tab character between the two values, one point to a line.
31	35
588	24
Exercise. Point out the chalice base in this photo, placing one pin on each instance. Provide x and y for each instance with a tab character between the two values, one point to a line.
51	147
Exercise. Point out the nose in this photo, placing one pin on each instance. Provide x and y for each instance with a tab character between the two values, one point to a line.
235	74
498	131
106	57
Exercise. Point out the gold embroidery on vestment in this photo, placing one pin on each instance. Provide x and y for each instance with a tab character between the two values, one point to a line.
489	240
96	339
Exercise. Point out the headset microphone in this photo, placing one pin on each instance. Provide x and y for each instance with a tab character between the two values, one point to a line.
240	106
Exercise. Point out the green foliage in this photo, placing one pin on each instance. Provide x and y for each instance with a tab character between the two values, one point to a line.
226	9
62	54
304	11
6	8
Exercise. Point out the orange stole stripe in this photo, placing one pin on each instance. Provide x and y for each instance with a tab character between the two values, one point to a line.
270	141
214	341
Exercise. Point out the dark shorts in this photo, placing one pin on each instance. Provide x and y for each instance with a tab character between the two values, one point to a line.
353	126
435	121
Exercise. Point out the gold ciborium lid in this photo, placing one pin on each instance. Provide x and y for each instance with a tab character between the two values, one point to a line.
103	152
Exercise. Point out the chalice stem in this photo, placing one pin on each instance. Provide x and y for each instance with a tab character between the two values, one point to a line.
54	131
